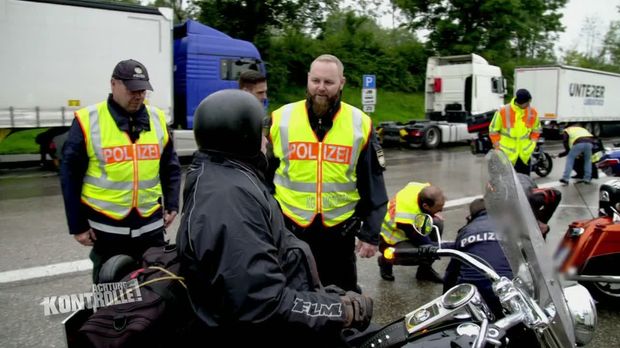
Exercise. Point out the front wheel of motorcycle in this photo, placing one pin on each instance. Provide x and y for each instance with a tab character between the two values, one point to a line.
544	165
607	293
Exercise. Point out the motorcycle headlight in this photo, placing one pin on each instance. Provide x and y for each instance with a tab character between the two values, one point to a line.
583	313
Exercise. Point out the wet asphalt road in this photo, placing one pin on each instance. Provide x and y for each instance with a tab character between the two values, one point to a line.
33	233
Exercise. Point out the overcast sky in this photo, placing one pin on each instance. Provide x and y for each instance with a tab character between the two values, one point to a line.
601	12
576	34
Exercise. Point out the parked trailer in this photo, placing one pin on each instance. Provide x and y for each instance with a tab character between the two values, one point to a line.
564	94
58	56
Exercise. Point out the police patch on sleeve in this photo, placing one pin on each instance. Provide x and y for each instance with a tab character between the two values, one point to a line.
380	156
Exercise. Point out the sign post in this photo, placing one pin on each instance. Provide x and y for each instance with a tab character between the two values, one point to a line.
369	93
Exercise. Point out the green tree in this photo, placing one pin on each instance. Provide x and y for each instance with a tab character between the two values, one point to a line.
499	30
254	20
183	10
611	45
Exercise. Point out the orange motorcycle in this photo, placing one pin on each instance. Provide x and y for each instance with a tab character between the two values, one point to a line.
590	250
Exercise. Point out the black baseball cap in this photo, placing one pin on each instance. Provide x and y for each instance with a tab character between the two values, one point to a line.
133	74
523	96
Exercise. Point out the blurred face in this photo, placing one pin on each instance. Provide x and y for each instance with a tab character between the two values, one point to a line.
128	100
524	105
325	83
259	90
435	208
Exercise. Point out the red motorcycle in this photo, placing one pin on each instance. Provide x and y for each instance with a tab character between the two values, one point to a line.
590	250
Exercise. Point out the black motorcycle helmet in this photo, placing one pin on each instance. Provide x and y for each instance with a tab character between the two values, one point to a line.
229	122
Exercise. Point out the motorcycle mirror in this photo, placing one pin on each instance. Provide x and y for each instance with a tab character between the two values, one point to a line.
423	224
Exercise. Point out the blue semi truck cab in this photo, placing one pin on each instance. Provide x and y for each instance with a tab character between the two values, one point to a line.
205	61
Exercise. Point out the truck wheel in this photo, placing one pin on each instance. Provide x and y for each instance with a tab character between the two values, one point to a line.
588	127
597	129
607	293
432	138
544	165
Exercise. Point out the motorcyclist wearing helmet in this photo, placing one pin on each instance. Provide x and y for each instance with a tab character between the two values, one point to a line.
250	280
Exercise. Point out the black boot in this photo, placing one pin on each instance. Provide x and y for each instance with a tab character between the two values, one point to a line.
385	269
426	272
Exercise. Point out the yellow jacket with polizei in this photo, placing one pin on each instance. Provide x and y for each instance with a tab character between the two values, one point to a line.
121	175
318	177
402	209
515	131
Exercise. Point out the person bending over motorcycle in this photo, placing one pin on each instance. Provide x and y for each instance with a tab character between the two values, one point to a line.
398	227
250	281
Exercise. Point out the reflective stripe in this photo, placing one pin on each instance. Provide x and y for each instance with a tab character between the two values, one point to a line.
295	186
95	137
527	136
506	148
116	208
507	111
159	131
504	133
528	146
126	230
304	214
406	215
357	139
285	120
337	212
528	117
121	185
311	187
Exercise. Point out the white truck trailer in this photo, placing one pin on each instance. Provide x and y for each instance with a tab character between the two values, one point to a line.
564	94
58	56
457	88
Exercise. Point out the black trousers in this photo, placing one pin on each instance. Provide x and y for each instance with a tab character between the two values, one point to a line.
334	252
108	245
522	167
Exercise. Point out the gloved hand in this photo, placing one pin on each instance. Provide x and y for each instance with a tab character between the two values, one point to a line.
428	252
358	310
334	289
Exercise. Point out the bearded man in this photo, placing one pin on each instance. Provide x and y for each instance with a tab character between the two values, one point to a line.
328	175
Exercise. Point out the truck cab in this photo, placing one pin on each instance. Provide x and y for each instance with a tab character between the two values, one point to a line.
457	88
205	61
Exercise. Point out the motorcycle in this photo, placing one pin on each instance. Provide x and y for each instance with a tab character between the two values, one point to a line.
610	161
590	249
534	300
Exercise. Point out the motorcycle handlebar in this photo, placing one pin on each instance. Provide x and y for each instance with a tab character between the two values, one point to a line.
415	256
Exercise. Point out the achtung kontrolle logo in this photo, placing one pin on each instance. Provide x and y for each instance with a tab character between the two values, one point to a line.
102	295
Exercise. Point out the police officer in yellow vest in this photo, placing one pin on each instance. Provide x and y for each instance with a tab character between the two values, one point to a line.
515	129
577	141
329	176
399	225
120	174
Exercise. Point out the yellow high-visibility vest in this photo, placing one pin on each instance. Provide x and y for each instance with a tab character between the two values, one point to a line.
575	133
516	130
121	175
402	209
318	177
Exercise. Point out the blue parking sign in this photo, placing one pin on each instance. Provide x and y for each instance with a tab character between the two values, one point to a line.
369	81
